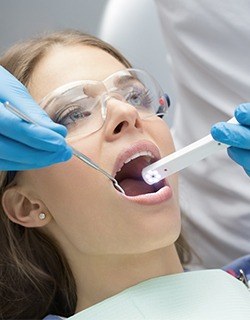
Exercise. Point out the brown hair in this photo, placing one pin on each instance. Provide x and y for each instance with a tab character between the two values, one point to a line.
35	277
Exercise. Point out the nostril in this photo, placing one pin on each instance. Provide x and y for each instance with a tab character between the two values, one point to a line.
119	127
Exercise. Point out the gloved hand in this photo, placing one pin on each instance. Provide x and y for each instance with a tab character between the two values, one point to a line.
237	136
22	145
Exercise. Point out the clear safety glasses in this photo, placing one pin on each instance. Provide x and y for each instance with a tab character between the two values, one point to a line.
81	106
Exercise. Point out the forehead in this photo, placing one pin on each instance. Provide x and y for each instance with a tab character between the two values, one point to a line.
67	64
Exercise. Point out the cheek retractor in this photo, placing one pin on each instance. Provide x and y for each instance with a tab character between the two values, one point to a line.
76	153
183	158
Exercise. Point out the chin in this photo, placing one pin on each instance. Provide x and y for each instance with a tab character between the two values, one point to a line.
154	229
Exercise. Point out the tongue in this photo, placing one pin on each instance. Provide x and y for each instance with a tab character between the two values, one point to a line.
133	187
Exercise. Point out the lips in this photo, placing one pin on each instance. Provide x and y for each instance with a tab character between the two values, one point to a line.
128	167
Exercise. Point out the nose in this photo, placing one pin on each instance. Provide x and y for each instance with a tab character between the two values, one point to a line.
121	118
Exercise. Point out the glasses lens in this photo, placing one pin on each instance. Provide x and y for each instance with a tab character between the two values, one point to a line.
140	90
79	105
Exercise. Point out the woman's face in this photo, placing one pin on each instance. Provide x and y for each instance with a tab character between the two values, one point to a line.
88	214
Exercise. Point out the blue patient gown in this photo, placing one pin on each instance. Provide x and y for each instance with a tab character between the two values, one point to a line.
195	295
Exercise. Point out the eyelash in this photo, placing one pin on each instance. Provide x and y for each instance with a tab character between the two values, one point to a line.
68	112
144	95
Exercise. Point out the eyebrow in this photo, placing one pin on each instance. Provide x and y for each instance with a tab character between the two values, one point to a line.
125	79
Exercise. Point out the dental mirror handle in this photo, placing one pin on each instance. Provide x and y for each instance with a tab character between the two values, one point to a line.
92	164
183	158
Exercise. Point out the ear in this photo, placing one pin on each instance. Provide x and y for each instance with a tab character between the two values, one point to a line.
23	209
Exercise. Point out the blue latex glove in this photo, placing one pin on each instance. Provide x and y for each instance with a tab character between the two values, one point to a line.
26	146
237	136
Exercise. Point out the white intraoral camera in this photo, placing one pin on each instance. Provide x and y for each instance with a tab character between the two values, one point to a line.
182	158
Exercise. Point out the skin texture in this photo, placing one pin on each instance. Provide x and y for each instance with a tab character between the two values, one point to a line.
111	243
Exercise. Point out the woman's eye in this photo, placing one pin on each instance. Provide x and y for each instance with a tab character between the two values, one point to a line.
139	98
72	115
134	99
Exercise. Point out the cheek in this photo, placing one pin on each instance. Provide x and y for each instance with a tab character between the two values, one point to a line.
69	179
72	182
64	187
163	137
73	194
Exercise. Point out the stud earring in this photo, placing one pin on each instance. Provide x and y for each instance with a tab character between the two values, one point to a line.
42	216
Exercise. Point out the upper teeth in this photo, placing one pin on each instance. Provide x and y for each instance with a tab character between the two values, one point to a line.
148	154
139	154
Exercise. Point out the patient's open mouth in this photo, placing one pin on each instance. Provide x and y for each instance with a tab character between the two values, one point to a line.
128	167
129	175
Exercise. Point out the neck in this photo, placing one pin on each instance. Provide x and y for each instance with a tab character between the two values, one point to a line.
102	276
